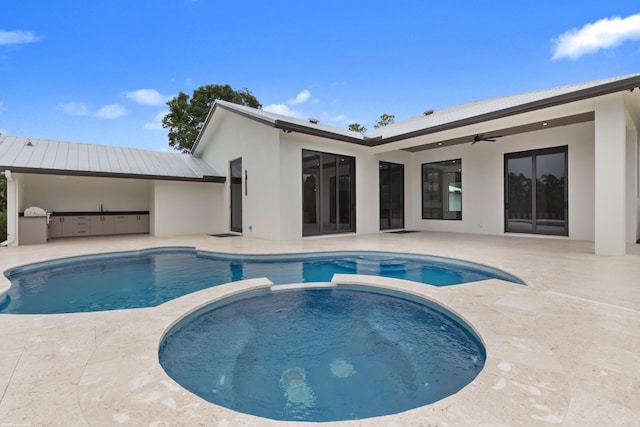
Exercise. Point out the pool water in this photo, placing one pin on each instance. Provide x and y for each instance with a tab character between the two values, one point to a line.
322	354
149	278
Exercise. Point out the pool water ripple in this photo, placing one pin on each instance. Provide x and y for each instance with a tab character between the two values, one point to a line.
152	277
321	354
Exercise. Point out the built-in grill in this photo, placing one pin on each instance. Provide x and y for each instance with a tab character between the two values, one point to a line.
35	211
34	226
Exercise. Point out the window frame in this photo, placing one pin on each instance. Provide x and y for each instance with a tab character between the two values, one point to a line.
440	168
534	154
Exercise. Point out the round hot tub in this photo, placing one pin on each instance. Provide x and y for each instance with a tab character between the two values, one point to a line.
322	354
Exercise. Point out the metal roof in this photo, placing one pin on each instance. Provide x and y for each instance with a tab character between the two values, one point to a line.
34	155
489	109
440	120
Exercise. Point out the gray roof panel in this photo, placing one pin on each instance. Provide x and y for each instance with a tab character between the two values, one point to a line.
70	158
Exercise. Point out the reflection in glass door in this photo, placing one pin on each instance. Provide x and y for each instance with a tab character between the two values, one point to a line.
328	193
536	192
391	196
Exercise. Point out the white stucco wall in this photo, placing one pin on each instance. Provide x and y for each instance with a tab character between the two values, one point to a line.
367	192
73	194
483	180
273	160
235	137
185	208
611	196
631	196
272	208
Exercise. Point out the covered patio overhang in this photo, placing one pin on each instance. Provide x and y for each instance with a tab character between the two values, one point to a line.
616	120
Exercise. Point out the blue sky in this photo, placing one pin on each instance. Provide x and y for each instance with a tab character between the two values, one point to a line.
100	71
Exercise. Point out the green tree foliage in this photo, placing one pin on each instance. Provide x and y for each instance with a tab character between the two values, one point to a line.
3	192
385	119
187	115
357	127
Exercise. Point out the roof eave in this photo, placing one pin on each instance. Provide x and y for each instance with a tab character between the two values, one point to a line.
63	172
309	130
580	95
286	126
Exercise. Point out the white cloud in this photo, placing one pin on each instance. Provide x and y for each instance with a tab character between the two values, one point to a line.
17	37
156	124
300	98
602	34
283	109
111	111
148	97
338	118
74	109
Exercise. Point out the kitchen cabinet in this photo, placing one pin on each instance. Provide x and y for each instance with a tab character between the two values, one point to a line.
61	226
81	225
138	224
121	224
98	224
102	224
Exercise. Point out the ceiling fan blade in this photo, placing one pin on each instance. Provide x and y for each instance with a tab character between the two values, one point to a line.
480	137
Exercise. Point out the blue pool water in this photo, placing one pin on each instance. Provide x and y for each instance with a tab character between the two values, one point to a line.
152	277
322	354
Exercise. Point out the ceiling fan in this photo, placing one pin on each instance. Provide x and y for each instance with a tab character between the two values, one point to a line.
481	137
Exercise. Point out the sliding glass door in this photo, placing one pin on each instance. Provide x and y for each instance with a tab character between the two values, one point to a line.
536	192
391	196
328	193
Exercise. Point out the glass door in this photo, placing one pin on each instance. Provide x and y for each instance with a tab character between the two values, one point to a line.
235	172
328	193
536	196
391	196
310	194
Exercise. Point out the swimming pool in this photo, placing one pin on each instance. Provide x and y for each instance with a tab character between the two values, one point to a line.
322	354
151	277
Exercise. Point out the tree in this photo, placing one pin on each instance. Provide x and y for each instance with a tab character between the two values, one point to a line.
385	119
3	192
186	116
357	127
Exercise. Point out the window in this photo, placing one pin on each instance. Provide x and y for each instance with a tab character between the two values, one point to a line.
442	190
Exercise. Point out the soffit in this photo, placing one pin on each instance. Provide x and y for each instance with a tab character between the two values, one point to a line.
514	130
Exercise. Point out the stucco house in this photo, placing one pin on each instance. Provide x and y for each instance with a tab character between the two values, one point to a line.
560	162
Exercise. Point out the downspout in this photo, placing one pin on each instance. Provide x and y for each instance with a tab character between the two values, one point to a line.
11	237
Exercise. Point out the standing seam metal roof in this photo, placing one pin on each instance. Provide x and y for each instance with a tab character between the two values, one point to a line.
34	155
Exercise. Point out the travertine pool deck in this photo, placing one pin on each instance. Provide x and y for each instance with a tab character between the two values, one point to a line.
563	350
